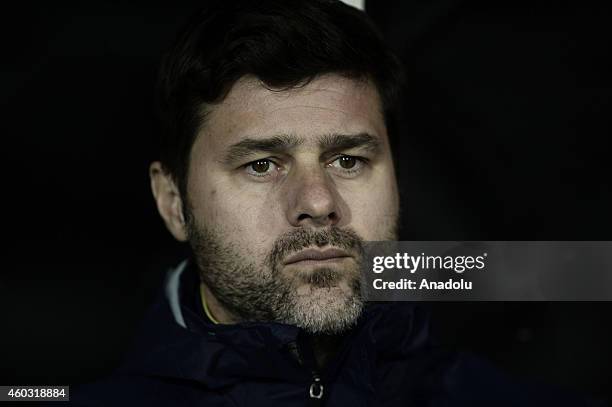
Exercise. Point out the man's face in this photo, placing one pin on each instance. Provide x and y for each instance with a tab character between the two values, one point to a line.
282	188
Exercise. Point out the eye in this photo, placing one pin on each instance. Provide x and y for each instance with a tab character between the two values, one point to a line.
347	165
261	168
347	162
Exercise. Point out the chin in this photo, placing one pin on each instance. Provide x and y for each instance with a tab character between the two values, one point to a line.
326	309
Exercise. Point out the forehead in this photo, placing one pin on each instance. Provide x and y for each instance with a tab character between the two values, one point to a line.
330	104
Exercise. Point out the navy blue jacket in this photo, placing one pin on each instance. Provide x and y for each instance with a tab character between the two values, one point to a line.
181	359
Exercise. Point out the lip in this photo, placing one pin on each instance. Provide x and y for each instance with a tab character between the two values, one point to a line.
315	255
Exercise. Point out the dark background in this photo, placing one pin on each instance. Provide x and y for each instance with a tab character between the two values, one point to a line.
504	136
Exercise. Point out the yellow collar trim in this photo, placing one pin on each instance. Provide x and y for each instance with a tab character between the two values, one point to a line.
205	305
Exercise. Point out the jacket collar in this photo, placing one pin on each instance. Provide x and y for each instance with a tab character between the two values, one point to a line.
177	341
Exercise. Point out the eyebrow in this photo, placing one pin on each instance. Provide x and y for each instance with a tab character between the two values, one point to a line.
347	141
283	143
248	146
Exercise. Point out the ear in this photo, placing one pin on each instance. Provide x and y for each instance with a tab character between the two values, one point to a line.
169	202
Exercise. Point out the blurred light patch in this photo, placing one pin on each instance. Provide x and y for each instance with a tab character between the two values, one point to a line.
355	3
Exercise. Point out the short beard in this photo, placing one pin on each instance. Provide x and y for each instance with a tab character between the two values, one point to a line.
253	292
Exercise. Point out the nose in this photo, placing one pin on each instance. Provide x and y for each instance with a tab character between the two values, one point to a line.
313	200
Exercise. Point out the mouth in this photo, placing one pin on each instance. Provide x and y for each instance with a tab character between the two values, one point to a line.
314	256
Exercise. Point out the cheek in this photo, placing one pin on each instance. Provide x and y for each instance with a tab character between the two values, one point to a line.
247	220
374	210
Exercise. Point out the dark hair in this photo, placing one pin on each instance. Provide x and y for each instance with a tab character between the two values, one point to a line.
284	43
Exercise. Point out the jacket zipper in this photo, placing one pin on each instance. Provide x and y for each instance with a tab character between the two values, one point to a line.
316	388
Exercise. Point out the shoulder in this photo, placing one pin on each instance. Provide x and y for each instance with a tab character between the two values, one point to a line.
473	381
439	378
130	391
113	391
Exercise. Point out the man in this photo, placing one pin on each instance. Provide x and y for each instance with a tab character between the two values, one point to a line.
276	166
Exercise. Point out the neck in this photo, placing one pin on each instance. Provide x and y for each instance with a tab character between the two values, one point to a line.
217	312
